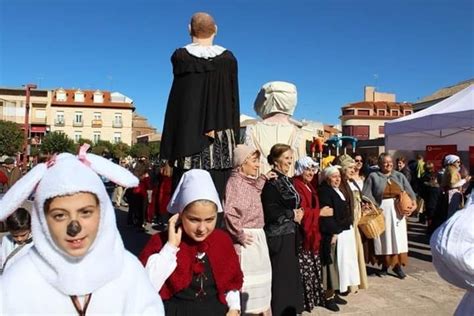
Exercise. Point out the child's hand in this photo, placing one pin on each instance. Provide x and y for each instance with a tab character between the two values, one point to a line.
174	231
233	312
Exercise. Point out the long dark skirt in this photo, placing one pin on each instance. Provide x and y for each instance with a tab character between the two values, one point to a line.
311	272
287	289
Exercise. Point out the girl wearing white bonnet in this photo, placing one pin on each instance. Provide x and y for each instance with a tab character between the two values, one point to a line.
193	265
78	263
243	213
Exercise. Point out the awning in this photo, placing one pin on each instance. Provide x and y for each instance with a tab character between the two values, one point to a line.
38	129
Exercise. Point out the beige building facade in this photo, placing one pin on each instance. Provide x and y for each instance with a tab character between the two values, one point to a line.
13	109
365	120
95	115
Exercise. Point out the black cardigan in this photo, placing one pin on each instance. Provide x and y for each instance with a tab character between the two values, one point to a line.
331	225
279	200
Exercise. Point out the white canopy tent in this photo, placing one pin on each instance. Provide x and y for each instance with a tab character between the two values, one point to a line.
449	122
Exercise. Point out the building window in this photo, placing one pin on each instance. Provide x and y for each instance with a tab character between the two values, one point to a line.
78	119
407	112
79	96
349	112
59	121
381	112
347	130
117	138
360	132
61	95
363	112
96	137
77	136
381	129
98	97
117	120
97	116
395	112
40	114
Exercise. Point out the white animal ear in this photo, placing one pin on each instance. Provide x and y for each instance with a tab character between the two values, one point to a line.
112	171
21	190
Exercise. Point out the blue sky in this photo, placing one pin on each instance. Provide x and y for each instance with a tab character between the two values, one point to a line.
329	48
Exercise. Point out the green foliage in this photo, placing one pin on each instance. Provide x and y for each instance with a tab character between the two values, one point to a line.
120	150
154	149
57	142
83	141
106	144
140	150
99	150
11	138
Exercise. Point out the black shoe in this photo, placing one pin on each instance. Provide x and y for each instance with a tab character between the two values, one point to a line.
383	271
399	272
331	305
339	300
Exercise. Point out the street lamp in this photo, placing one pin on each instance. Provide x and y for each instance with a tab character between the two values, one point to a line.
28	88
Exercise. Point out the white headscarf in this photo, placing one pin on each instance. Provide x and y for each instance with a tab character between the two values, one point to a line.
329	171
195	184
67	174
276	96
304	163
450	159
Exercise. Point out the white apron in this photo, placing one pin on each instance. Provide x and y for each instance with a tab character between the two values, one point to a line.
256	291
394	240
347	262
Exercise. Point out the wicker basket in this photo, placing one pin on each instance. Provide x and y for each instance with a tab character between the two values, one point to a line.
372	223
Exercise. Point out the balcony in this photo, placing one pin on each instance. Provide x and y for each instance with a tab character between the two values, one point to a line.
78	123
96	123
117	124
36	120
58	122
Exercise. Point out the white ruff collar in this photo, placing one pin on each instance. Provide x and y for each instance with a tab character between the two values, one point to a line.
205	52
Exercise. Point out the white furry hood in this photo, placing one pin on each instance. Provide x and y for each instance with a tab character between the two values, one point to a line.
64	175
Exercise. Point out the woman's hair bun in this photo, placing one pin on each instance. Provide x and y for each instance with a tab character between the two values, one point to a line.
270	159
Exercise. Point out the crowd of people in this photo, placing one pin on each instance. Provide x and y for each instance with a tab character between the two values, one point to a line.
256	228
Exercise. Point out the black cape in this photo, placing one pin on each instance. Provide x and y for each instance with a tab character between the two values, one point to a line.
204	97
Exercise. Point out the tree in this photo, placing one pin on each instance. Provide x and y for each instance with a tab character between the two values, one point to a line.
120	150
103	148
140	150
12	138
57	142
154	149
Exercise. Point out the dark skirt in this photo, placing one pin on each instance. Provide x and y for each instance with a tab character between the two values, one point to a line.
331	273
311	272
199	299
176	307
287	289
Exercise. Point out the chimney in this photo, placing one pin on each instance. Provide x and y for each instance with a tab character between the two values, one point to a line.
369	93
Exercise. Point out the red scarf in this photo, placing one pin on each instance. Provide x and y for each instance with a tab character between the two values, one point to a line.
223	260
310	205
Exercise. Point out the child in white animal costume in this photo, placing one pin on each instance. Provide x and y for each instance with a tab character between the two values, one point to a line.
78	263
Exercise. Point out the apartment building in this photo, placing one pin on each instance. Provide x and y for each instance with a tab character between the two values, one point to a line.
91	114
365	120
13	109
